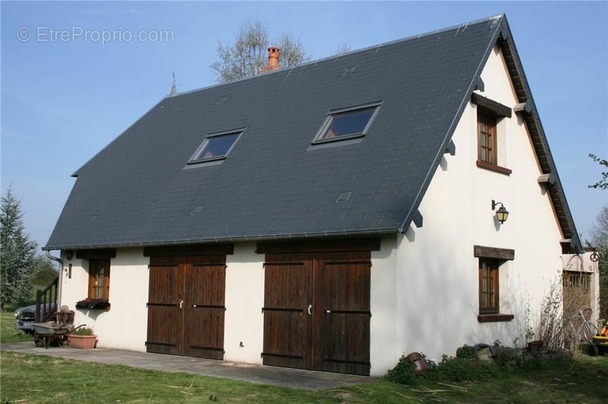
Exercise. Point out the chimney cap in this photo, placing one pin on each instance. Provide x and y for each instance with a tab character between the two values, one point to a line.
273	59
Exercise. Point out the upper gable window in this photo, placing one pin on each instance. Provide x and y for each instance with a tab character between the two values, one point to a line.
215	147
489	113
346	124
486	130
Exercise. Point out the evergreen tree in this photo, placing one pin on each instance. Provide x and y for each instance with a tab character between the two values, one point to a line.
249	53
17	253
44	274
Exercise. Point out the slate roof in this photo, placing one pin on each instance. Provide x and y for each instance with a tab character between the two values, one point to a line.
139	190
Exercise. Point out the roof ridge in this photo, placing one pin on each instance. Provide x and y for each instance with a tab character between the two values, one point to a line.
497	17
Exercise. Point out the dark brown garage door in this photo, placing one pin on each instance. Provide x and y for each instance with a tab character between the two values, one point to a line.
186	306
317	311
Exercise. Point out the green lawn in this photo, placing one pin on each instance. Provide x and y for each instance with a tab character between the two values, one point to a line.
7	329
45	379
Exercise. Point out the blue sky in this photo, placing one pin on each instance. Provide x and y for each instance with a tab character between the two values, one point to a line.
75	75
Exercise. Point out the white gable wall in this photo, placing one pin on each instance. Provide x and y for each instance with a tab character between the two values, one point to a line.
437	303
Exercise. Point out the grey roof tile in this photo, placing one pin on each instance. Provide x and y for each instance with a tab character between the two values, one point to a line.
140	191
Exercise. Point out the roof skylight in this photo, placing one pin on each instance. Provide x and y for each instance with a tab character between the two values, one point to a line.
215	147
346	124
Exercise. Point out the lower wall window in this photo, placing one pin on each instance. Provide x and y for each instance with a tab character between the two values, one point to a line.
491	260
99	279
488	286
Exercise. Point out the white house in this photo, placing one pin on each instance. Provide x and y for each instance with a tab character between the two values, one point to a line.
331	216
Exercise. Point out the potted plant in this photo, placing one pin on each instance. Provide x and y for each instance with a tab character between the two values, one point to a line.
82	338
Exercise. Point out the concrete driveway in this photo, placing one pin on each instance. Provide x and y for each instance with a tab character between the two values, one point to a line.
294	378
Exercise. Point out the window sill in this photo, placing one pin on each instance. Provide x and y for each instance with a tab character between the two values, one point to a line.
494	318
493	167
338	138
207	160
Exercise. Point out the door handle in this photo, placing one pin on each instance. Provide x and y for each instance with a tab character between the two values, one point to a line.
309	308
181	304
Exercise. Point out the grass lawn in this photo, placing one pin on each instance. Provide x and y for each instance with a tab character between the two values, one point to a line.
43	379
7	329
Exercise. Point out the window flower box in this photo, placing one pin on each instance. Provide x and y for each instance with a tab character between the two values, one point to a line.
93	304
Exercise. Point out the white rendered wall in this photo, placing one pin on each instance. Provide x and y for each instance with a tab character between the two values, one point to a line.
124	326
384	299
244	321
129	277
437	303
74	285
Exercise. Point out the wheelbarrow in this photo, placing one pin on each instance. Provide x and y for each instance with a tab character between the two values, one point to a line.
50	331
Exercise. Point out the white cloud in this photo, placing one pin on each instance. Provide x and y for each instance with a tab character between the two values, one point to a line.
7	132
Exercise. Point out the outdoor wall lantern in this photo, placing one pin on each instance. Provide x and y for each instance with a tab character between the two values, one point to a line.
502	213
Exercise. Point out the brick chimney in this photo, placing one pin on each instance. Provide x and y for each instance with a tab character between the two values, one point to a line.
273	60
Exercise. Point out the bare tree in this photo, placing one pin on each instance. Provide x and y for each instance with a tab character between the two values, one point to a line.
342	49
248	54
599	240
603	183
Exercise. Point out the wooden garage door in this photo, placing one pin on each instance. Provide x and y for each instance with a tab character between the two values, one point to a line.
286	320
186	306
317	311
204	310
343	299
164	314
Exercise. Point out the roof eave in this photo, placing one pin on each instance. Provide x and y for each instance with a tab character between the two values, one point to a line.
474	84
538	137
502	36
234	239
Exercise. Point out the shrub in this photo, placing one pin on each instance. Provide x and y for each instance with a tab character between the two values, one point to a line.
403	372
465	369
466	352
550	328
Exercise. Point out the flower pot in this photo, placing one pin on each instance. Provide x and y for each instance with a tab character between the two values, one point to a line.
82	341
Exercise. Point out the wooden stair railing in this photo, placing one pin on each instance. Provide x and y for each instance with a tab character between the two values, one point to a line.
45	298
